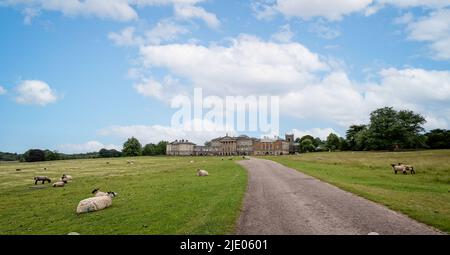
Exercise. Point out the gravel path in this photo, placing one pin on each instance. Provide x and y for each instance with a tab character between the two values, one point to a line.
281	200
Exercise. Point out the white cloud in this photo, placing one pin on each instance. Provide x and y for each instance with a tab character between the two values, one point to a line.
434	29
126	37
120	10
35	92
309	86
322	133
29	14
335	10
324	30
306	9
2	90
91	146
155	133
415	3
248	65
284	35
165	31
191	11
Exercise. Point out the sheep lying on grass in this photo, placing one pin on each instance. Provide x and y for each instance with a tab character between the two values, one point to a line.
66	178
99	193
42	179
93	204
202	172
59	184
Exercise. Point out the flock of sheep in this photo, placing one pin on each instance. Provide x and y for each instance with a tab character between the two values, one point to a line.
100	200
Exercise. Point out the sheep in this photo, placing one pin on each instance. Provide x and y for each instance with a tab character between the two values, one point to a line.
66	178
398	168
43	179
59	184
202	172
409	168
404	168
93	204
130	162
99	193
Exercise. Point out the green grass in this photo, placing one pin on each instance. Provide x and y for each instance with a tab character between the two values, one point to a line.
424	196
157	195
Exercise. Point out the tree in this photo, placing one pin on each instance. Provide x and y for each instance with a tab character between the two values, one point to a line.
306	145
390	129
343	145
438	139
351	135
149	150
51	155
105	153
132	147
161	147
332	142
34	155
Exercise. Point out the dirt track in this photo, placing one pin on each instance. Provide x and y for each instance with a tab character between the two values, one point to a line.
281	200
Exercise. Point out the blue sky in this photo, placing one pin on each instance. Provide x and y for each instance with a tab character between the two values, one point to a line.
76	76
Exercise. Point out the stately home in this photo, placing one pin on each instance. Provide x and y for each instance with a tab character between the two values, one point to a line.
233	146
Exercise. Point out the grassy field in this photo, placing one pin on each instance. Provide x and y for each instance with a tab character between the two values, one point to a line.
424	196
157	195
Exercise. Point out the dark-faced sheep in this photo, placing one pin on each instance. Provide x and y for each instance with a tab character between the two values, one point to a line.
93	204
66	178
42	179
403	168
99	193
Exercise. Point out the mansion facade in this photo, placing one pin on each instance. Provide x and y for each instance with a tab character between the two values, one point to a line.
233	146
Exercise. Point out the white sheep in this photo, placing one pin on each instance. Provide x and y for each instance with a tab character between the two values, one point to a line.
93	204
59	184
202	172
66	178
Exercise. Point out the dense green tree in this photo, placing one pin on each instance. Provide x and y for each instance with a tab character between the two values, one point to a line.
351	134
306	145
132	147
52	155
332	142
390	129
343	145
34	155
438	139
105	153
149	150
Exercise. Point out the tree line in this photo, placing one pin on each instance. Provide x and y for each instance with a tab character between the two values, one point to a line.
132	147
387	129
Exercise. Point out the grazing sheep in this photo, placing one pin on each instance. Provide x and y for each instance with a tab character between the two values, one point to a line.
409	168
42	179
202	172
398	168
93	204
59	184
192	161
